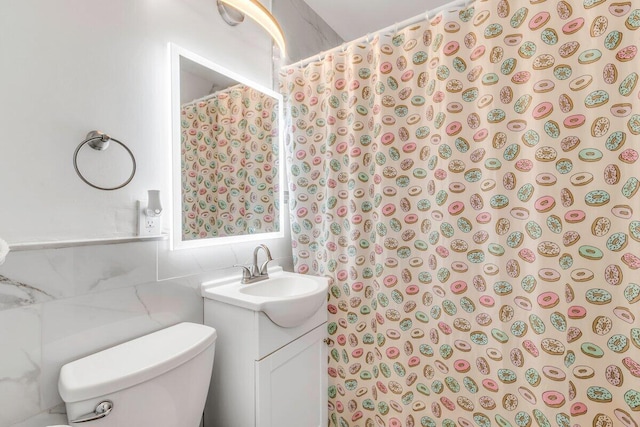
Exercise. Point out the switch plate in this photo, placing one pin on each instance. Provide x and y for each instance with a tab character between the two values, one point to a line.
148	225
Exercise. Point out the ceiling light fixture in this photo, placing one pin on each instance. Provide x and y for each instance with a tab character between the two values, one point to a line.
256	11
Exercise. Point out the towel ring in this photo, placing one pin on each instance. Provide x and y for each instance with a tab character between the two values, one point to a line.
100	141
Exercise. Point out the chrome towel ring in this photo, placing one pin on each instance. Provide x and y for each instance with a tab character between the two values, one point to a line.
100	141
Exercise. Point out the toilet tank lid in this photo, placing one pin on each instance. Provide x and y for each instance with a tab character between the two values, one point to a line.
133	362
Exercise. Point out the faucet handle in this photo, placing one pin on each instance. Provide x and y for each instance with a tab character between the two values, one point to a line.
247	272
262	271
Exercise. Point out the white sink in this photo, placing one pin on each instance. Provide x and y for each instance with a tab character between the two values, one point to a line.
288	299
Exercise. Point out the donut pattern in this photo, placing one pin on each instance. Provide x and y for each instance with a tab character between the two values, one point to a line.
469	185
229	164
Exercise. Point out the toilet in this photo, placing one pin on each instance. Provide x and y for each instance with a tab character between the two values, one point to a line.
159	380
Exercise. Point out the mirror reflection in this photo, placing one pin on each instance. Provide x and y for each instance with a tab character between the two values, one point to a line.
228	152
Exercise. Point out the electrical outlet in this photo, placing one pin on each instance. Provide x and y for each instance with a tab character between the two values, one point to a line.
148	225
152	225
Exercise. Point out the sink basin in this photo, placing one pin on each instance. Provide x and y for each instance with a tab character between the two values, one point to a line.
288	299
280	287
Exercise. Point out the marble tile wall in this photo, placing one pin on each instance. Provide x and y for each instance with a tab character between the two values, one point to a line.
58	305
306	33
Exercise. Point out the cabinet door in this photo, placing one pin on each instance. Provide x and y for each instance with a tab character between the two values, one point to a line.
291	384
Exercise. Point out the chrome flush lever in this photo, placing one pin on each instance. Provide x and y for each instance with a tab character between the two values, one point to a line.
102	410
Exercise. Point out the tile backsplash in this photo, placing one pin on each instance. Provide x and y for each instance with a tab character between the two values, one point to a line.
57	305
36	276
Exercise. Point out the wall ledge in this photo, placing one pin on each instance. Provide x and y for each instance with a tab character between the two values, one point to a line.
60	244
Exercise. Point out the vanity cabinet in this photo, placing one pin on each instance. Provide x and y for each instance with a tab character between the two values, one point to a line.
265	375
291	383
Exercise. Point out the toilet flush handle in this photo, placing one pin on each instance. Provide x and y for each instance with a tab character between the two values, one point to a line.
102	410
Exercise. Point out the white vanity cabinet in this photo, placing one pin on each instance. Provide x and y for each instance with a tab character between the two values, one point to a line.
265	375
291	383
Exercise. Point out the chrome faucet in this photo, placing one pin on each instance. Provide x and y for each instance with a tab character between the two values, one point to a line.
254	273
262	270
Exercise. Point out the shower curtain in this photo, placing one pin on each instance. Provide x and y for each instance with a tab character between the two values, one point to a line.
469	185
228	172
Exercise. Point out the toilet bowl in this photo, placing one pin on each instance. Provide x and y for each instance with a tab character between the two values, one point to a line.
159	380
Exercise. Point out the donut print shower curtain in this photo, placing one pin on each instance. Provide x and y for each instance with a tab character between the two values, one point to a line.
227	156
470	186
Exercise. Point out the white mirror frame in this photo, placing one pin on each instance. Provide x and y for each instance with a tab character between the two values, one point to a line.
176	240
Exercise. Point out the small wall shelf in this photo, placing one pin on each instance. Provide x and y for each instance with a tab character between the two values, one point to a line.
84	242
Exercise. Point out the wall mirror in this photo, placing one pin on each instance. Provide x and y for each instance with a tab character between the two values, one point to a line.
227	136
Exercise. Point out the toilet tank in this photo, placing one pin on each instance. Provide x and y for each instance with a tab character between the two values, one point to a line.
159	380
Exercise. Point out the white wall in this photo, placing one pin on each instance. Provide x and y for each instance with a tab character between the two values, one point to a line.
193	87
71	66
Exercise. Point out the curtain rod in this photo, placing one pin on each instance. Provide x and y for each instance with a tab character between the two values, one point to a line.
212	94
452	5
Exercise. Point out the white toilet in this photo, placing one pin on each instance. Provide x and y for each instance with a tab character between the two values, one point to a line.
158	380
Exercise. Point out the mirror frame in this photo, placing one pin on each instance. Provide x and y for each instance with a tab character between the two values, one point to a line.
176	239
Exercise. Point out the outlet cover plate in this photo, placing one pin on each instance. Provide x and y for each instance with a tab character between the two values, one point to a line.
148	225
